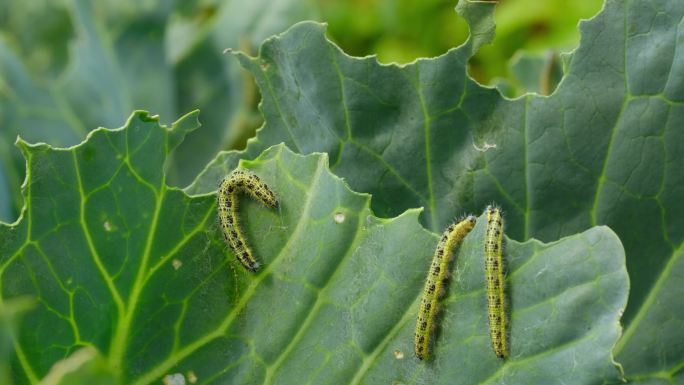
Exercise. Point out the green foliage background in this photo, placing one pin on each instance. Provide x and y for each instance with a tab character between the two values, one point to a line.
563	164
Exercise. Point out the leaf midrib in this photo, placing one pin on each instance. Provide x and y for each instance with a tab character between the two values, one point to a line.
320	300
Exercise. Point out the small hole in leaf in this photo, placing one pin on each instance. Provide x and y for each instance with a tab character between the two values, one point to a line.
339	217
174	379
176	263
192	378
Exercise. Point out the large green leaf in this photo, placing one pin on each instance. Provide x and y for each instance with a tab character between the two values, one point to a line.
123	263
606	148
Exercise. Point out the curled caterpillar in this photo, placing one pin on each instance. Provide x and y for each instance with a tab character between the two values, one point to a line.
496	304
434	283
240	181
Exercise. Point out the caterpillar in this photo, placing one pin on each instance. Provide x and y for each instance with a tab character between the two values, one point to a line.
435	281
240	181
494	278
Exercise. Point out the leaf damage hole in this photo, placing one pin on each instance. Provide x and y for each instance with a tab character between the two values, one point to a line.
174	379
339	217
192	378
176	263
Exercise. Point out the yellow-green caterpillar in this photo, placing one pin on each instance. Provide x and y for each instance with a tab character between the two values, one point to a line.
496	303
240	181
439	270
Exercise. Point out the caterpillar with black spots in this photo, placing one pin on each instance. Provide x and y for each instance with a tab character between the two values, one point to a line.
237	182
436	278
494	279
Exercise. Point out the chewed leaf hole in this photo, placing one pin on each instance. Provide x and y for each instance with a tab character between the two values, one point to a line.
339	217
174	379
176	263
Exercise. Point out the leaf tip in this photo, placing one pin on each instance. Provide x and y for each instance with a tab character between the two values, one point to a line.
183	126
187	122
20	143
26	148
480	18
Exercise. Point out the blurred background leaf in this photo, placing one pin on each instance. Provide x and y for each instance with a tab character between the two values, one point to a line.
403	30
538	73
107	58
11	312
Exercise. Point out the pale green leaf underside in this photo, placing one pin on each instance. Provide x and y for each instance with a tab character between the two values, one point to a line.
606	148
121	262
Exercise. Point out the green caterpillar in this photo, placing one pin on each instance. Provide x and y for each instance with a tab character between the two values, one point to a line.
439	270
240	181
496	304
